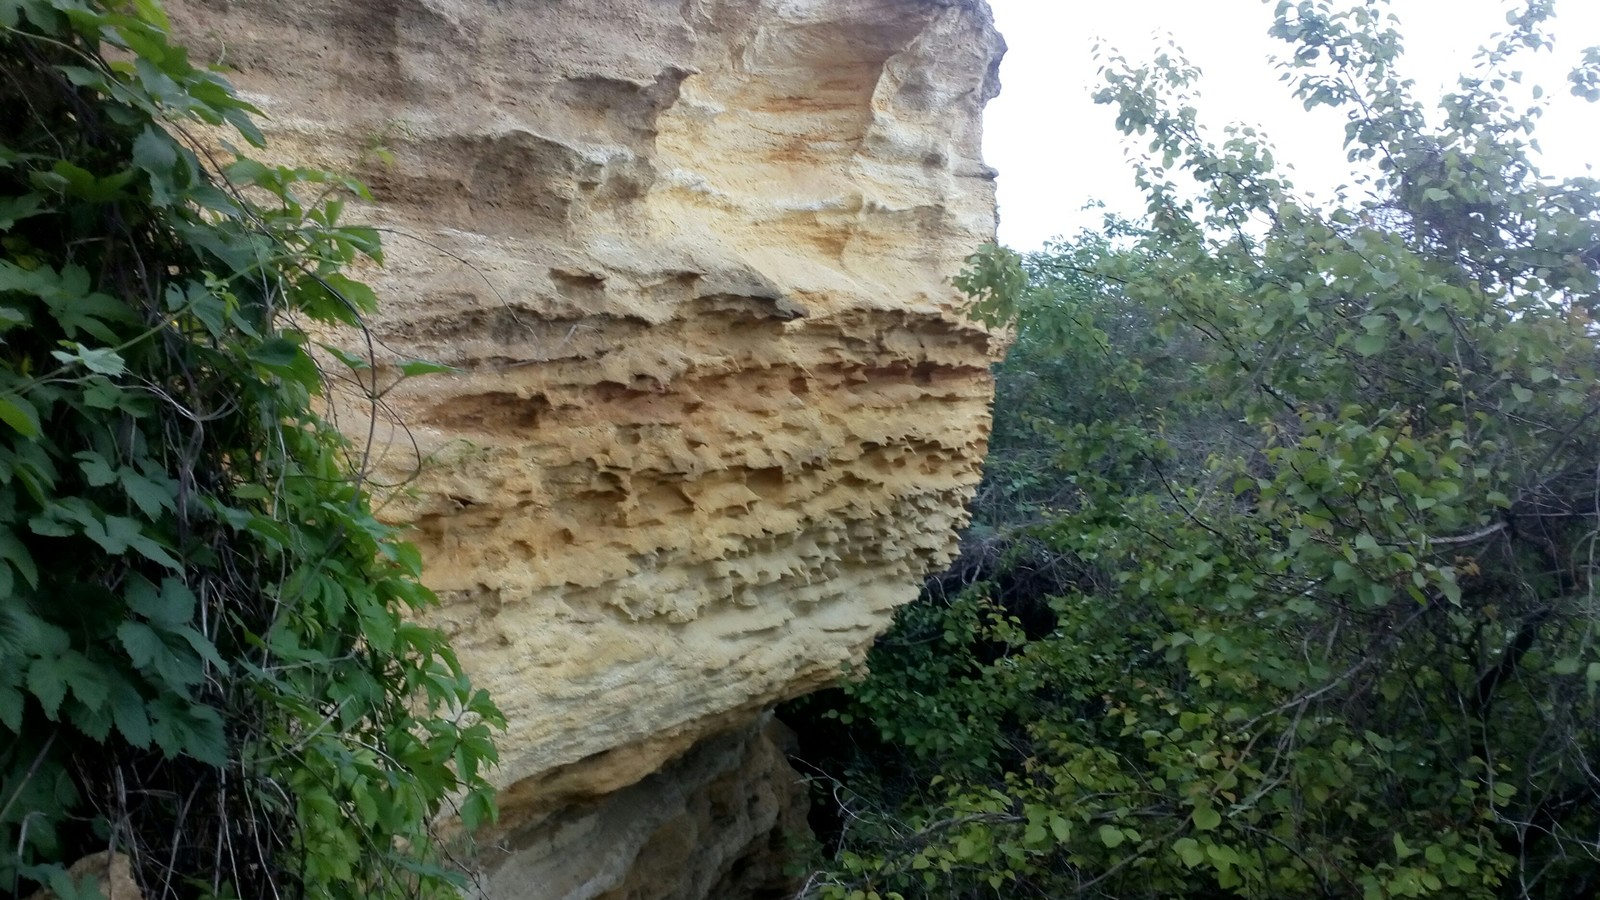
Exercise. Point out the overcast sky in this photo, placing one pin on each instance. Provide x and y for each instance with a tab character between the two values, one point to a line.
1057	151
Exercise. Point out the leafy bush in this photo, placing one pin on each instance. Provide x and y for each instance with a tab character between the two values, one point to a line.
1089	376
1350	649
206	659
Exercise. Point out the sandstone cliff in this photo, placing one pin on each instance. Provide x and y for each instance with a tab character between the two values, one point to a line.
717	410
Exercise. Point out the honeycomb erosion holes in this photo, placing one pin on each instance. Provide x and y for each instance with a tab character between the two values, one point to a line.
717	411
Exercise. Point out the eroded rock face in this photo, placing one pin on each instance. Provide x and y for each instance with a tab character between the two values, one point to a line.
720	821
717	410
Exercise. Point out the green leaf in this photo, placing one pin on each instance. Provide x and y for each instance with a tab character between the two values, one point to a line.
101	393
1369	344
151	11
240	119
13	551
49	526
90	683
414	367
20	415
1188	850
11	318
151	496
275	534
95	469
1111	836
128	713
144	646
204	647
15	209
99	360
180	728
156	154
11	701
284	357
356	296
351	360
170	606
277	353
1206	818
48	681
378	626
478	809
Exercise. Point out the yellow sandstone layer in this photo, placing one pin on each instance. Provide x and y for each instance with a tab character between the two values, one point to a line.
717	410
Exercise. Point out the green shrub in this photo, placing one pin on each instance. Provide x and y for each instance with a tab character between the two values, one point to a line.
1348	650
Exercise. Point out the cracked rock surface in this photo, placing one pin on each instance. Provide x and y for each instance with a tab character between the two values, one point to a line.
717	409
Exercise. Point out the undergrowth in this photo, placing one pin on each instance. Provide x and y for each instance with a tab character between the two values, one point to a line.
208	660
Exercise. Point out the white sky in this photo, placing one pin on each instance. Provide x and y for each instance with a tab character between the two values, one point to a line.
1056	150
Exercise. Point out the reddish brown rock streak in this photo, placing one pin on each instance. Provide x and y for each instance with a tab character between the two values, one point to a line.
718	410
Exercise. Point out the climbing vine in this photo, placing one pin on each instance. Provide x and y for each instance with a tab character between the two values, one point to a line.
208	659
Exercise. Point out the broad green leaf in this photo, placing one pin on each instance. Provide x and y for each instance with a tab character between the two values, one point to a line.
15	209
13	551
1188	849
128	713
156	154
20	415
152	497
141	642
99	360
47	679
90	683
359	297
169	606
204	648
414	367
11	701
96	471
351	360
1369	344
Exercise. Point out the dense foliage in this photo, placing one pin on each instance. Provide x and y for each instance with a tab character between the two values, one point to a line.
1307	501
206	659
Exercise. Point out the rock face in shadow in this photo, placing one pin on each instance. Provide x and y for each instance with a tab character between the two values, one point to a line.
717	409
720	821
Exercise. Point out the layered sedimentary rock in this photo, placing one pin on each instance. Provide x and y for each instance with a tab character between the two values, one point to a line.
717	408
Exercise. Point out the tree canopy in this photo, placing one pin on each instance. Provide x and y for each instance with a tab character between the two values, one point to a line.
1289	529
